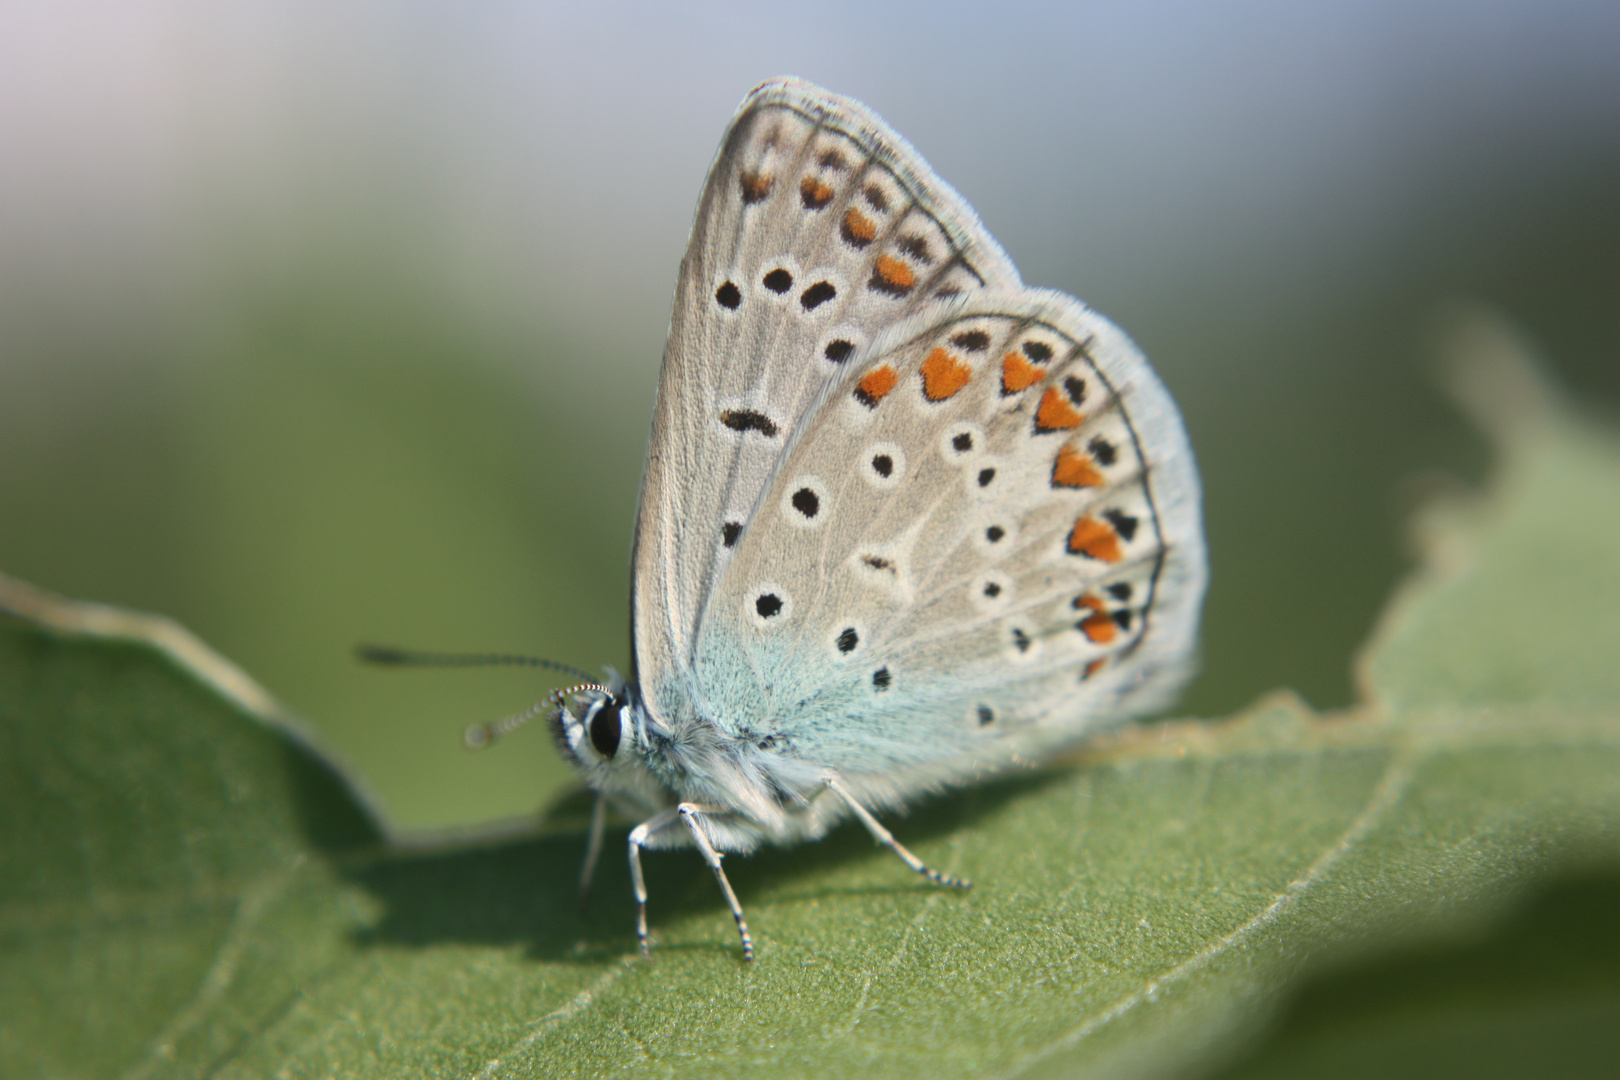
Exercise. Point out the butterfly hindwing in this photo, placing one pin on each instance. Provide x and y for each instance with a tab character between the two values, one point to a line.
984	540
818	229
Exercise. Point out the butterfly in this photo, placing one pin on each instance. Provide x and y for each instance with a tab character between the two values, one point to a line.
904	522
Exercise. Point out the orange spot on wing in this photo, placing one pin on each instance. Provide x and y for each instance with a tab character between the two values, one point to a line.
943	375
875	385
1099	627
1018	373
755	186
1094	539
1056	412
858	229
1099	630
814	193
1074	469
893	275
1094	667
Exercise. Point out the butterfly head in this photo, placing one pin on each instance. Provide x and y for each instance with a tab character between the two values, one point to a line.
596	727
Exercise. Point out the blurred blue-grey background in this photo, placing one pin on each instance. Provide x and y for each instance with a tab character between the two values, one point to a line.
339	321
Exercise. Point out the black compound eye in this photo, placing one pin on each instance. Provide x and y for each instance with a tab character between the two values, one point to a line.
606	727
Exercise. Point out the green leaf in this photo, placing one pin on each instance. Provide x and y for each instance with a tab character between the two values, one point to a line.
1519	597
188	887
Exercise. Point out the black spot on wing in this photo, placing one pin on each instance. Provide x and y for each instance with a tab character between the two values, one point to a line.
838	350
1123	523
806	502
745	420
817	294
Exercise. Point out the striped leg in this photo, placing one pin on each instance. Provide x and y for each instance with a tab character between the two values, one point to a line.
638	840
689	812
886	838
593	847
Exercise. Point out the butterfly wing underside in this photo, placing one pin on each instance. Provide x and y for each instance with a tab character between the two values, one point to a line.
984	542
818	230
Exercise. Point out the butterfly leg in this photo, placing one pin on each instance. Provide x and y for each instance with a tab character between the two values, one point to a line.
638	840
689	812
886	838
593	847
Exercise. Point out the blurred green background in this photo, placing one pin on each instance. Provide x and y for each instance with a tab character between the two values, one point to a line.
339	322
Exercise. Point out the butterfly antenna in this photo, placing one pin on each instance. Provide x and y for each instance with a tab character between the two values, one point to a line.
478	736
390	656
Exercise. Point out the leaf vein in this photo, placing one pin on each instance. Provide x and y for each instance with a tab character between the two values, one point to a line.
1391	786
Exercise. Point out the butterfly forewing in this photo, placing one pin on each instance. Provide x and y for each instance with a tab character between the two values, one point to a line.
818	230
983	541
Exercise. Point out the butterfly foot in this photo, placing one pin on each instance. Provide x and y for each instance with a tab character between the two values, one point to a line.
945	879
641	932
